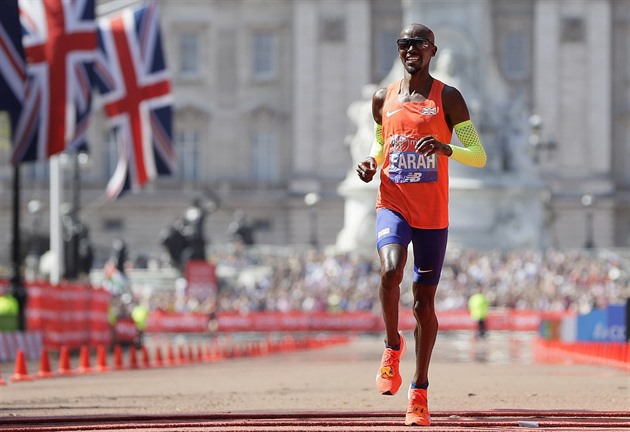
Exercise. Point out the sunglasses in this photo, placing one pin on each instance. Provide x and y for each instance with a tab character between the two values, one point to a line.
406	43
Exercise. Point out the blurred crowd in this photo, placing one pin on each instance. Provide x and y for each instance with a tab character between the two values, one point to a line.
255	279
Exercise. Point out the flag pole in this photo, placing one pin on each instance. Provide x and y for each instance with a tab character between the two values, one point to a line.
56	240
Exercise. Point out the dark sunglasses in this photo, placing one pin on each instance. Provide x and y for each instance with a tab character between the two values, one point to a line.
406	43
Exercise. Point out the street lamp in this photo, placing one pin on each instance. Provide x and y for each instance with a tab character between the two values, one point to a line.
16	287
587	203
311	200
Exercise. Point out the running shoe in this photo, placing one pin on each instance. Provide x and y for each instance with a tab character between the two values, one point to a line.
388	379
418	410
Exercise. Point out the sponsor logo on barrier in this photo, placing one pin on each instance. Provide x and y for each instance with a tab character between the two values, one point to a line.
603	325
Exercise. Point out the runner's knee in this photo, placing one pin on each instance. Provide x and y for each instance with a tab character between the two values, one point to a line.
391	277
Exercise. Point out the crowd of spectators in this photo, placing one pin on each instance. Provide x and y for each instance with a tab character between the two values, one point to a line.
282	280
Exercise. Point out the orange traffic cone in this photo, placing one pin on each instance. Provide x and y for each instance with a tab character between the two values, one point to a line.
170	356
181	356
20	374
146	363
64	362
44	365
118	362
158	357
133	357
217	350
207	353
84	361
101	359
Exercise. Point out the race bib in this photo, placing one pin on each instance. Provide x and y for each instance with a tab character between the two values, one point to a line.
407	166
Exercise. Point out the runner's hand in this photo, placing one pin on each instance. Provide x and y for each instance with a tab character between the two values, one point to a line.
428	145
367	169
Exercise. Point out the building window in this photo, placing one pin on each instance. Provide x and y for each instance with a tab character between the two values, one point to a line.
264	165
188	145
113	224
573	29
515	56
332	29
189	54
265	55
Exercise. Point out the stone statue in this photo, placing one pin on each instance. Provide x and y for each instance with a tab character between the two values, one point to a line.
359	213
184	239
241	229
78	252
360	113
447	68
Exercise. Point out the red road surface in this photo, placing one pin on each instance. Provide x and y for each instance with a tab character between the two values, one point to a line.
491	385
327	421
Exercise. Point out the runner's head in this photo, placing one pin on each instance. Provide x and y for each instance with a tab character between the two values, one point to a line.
416	47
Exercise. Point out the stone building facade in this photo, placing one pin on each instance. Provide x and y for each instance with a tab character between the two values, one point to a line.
262	92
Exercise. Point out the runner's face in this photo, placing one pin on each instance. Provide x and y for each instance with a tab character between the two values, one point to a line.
415	48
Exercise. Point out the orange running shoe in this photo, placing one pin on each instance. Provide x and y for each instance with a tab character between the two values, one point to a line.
388	379
418	410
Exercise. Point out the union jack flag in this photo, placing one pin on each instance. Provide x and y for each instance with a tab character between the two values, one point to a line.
12	64
59	38
131	74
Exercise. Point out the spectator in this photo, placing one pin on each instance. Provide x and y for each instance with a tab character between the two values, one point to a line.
478	308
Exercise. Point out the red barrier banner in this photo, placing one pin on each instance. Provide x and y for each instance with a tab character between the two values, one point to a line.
76	315
173	322
169	322
68	314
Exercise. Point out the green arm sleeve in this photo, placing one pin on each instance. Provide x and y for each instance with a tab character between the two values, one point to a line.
377	146
472	153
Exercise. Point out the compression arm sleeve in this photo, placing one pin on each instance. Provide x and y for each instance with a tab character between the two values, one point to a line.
472	153
377	146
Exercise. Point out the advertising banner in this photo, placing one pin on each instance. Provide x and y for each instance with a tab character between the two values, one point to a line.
201	280
593	326
616	324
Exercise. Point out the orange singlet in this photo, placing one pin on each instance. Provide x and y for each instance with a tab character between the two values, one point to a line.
413	185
